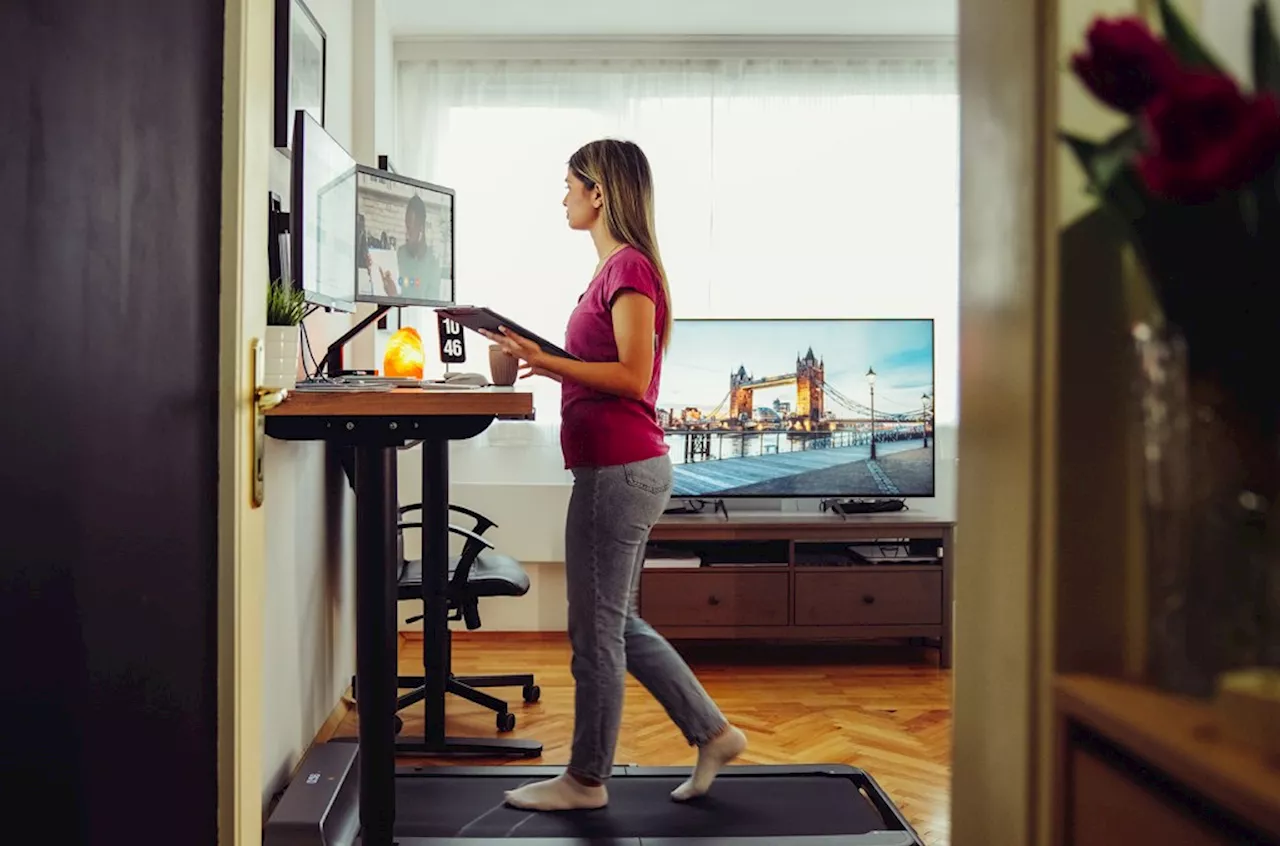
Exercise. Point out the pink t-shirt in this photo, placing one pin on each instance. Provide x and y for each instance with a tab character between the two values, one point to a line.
599	429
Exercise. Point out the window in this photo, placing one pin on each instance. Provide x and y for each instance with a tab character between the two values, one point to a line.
789	188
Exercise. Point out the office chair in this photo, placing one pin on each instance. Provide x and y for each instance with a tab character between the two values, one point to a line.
477	572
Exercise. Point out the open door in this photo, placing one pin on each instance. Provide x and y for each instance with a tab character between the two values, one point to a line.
247	95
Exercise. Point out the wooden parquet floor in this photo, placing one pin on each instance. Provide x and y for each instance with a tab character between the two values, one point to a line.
885	709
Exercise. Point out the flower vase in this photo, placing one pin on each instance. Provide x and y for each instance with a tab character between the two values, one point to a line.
1211	524
280	357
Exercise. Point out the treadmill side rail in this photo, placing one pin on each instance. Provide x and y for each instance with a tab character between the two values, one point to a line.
321	806
869	838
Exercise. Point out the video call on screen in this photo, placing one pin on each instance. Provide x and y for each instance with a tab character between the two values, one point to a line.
403	243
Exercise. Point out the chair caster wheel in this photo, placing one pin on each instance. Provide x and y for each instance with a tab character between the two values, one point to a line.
506	721
532	693
399	724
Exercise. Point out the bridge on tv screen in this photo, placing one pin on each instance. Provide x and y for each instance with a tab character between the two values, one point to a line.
813	393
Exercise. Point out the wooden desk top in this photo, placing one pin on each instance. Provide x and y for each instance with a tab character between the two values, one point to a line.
406	402
1182	737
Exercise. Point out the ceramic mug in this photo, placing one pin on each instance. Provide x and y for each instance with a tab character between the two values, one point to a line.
503	369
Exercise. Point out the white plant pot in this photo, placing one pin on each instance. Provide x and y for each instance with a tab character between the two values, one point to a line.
280	357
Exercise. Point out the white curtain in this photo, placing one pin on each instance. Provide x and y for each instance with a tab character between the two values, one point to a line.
784	188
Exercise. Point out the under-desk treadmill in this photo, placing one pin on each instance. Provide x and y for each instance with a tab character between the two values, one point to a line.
811	805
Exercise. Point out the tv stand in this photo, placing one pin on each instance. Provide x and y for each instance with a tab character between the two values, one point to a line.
779	577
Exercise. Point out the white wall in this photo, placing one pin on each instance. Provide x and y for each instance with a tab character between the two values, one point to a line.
801	18
309	509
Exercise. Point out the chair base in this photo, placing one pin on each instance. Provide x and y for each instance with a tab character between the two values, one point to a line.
467	687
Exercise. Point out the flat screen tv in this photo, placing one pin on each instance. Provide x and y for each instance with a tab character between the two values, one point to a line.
833	409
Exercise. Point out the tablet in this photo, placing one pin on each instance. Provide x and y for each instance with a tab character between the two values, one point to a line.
477	318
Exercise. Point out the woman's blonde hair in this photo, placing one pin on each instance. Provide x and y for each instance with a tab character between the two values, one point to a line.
621	169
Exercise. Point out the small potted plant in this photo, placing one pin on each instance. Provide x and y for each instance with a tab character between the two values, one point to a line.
285	308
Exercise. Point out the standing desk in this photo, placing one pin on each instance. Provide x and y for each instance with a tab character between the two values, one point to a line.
376	424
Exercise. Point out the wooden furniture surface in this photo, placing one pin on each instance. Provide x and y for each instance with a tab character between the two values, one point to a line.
776	576
769	525
406	402
1132	761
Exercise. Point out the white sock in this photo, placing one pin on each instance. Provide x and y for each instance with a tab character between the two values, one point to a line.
562	793
711	757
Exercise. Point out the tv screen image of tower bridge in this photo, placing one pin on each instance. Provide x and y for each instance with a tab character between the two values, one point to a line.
780	408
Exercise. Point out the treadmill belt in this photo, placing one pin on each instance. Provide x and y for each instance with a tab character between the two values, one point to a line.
640	806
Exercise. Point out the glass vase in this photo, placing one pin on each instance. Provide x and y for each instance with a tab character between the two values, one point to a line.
1212	547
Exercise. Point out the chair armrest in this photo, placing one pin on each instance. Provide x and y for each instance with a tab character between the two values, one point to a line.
471	536
483	523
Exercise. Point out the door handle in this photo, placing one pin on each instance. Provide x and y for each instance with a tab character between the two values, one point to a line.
264	399
268	399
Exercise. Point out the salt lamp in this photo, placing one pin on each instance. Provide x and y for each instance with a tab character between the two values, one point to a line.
405	356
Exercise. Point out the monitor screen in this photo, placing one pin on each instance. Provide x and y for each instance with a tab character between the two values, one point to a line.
404	240
790	408
322	206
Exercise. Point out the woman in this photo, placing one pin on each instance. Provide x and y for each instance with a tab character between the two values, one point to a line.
621	483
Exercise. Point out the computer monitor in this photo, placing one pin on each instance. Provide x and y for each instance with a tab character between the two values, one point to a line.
404	240
322	205
777	408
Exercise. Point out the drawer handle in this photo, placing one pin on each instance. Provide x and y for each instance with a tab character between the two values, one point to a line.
712	600
868	599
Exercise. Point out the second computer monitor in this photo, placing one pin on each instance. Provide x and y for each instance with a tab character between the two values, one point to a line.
404	240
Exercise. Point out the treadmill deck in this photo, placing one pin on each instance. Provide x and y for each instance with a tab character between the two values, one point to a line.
815	805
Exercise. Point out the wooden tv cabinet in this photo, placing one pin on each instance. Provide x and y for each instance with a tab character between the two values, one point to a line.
778	576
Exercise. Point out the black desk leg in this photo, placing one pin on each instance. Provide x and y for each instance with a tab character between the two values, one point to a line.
435	586
376	640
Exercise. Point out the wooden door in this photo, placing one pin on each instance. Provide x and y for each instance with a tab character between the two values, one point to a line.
121	563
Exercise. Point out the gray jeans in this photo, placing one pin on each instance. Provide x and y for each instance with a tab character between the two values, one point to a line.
611	512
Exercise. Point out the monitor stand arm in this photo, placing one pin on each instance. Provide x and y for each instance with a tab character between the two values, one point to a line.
331	363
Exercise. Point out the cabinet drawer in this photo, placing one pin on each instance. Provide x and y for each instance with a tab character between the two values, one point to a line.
707	598
905	598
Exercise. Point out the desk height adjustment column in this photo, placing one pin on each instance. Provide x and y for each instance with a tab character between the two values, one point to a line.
376	517
435	586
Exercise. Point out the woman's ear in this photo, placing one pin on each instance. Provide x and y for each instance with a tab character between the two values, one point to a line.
597	197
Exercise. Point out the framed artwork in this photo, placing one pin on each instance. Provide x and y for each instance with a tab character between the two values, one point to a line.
300	61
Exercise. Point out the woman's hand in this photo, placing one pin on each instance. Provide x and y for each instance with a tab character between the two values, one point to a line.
528	353
530	370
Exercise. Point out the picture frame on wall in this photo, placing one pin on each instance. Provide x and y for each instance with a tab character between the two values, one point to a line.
301	61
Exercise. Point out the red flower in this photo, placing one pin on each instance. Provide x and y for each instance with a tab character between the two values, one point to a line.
1125	66
1205	137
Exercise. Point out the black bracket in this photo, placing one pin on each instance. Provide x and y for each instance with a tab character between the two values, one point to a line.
695	506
